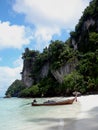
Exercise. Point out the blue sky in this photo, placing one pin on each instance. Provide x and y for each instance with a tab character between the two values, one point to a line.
32	24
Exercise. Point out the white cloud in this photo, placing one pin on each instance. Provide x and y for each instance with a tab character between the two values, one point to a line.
43	35
13	35
60	13
7	76
50	16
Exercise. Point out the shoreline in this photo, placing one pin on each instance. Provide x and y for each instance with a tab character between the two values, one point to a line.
80	115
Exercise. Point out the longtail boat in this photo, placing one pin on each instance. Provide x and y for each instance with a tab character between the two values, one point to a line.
54	103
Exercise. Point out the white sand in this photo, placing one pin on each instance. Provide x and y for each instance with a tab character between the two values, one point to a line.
84	115
87	118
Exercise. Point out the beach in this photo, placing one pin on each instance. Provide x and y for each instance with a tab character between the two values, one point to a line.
87	118
18	114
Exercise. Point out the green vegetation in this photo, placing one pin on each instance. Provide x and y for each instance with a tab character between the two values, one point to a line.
83	29
43	88
15	88
85	76
74	82
89	69
30	92
57	54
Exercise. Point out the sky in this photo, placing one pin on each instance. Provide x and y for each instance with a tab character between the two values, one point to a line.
32	24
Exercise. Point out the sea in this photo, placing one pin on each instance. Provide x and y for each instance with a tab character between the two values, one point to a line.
18	114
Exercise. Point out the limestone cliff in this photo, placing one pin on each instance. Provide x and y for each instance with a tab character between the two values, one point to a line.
44	70
64	70
84	32
27	80
28	60
79	41
36	67
88	24
58	74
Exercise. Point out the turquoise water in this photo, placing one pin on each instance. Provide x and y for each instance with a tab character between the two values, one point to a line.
18	114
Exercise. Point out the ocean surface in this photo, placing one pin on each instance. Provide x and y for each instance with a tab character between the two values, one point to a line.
18	114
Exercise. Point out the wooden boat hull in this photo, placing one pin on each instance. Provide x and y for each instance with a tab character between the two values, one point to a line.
65	102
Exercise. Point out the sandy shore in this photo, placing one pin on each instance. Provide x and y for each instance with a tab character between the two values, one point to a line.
87	119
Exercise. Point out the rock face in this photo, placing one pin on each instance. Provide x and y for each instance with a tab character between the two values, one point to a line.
64	70
83	33
27	80
88	23
73	42
58	74
45	70
84	29
27	67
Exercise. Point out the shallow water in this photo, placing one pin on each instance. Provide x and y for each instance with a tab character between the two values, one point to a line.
18	114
